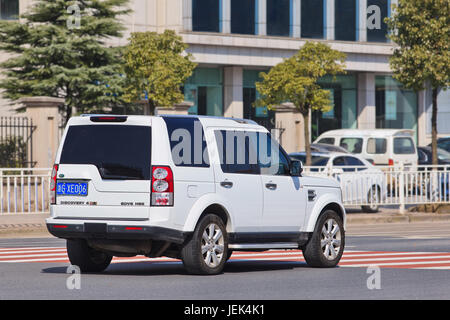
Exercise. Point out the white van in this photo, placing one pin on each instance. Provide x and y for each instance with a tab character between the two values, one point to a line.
378	146
186	187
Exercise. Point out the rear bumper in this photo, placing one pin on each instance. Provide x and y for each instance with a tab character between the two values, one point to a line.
116	232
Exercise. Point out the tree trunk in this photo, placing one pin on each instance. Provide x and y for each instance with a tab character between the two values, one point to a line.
307	144
434	128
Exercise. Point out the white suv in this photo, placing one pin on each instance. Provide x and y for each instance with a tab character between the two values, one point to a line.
187	187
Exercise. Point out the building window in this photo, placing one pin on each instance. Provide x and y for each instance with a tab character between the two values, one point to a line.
278	17
396	107
312	19
243	16
205	15
345	20
205	89
9	9
343	99
378	10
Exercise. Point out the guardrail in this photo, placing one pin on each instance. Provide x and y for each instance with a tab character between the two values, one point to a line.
389	185
27	190
24	190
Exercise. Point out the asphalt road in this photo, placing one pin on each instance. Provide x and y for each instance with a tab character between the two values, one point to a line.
245	277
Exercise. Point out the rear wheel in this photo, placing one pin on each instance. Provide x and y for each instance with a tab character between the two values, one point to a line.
86	258
207	251
325	248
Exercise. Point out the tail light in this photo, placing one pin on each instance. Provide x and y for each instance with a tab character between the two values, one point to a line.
391	162
53	184
162	186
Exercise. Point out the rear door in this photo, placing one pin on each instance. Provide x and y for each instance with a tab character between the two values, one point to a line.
237	177
104	168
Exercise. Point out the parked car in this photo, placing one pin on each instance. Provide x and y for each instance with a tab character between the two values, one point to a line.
323	147
425	156
360	180
171	186
378	146
443	143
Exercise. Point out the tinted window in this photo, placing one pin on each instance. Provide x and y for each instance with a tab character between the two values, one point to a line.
278	17
376	146
345	20
243	16
118	151
377	28
316	161
326	140
312	19
237	152
9	9
205	15
404	146
274	161
352	145
354	162
187	142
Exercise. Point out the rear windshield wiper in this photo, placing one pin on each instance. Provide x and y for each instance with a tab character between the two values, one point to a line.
118	171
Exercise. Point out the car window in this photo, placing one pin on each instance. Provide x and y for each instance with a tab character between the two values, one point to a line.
376	146
237	152
183	133
354	162
352	145
316	161
272	160
404	146
326	141
339	161
119	152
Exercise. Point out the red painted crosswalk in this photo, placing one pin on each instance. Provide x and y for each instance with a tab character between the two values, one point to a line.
383	259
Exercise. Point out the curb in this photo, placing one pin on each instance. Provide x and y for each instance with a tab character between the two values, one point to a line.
397	218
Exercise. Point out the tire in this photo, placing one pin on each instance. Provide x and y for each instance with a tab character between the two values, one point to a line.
316	254
229	253
86	258
206	253
372	208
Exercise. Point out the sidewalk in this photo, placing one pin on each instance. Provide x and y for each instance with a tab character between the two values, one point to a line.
33	225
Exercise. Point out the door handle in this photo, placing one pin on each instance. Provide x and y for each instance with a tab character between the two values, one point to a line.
271	186
226	184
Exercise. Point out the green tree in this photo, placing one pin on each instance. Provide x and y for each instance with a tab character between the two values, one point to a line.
156	67
59	50
295	80
421	30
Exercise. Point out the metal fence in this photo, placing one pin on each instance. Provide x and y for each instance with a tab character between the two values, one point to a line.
27	190
16	142
24	190
388	185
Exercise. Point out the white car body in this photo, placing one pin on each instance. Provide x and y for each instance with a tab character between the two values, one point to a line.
255	215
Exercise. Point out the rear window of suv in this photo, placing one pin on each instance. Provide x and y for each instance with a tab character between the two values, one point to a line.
118	151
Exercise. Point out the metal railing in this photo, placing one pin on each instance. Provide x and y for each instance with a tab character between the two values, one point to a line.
27	190
389	185
24	190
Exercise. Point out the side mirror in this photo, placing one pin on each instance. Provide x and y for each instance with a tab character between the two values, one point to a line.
296	168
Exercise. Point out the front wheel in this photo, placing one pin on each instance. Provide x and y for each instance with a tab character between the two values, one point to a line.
207	251
325	248
373	197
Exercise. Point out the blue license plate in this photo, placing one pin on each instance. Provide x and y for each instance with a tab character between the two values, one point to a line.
72	189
